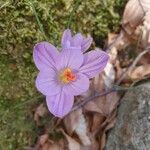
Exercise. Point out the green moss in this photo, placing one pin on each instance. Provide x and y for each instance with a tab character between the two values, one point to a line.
19	32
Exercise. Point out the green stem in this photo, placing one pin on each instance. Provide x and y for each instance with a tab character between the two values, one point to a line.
76	5
38	20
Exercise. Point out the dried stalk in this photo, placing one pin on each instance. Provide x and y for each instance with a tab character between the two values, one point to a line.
82	103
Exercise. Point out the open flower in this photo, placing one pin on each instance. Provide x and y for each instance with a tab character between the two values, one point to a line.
63	75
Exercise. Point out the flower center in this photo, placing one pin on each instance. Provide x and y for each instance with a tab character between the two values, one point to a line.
67	76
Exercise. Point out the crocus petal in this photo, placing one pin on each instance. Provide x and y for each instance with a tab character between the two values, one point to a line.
66	38
44	55
79	86
60	104
46	82
71	57
77	40
86	43
94	62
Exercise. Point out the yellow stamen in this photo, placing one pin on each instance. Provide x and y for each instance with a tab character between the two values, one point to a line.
67	76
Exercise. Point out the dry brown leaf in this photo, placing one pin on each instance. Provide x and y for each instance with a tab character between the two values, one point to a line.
105	104
103	141
111	102
72	143
98	119
140	72
111	38
82	131
146	30
71	121
94	145
136	20
113	52
145	60
119	70
39	112
49	145
45	144
109	76
43	139
93	107
133	15
98	84
75	122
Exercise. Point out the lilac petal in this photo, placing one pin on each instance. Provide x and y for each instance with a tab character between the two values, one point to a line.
77	40
44	55
66	38
60	104
86	43
46	82
71	57
79	86
94	62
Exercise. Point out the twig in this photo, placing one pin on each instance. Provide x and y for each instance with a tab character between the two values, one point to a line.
130	68
86	100
80	104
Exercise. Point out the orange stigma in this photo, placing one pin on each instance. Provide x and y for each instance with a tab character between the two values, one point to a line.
67	76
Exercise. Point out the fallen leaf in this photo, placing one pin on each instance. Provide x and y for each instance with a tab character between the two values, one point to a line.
119	70
136	20
98	119
72	144
93	107
133	15
111	102
140	72
49	145
98	84
94	145
71	121
82	131
43	139
145	60
109	76
39	112
103	141
146	29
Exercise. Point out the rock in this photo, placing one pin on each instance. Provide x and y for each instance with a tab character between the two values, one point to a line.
132	129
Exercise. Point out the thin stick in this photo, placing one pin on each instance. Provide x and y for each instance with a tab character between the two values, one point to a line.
80	104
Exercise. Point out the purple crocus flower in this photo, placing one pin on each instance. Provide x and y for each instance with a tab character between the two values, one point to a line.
63	75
